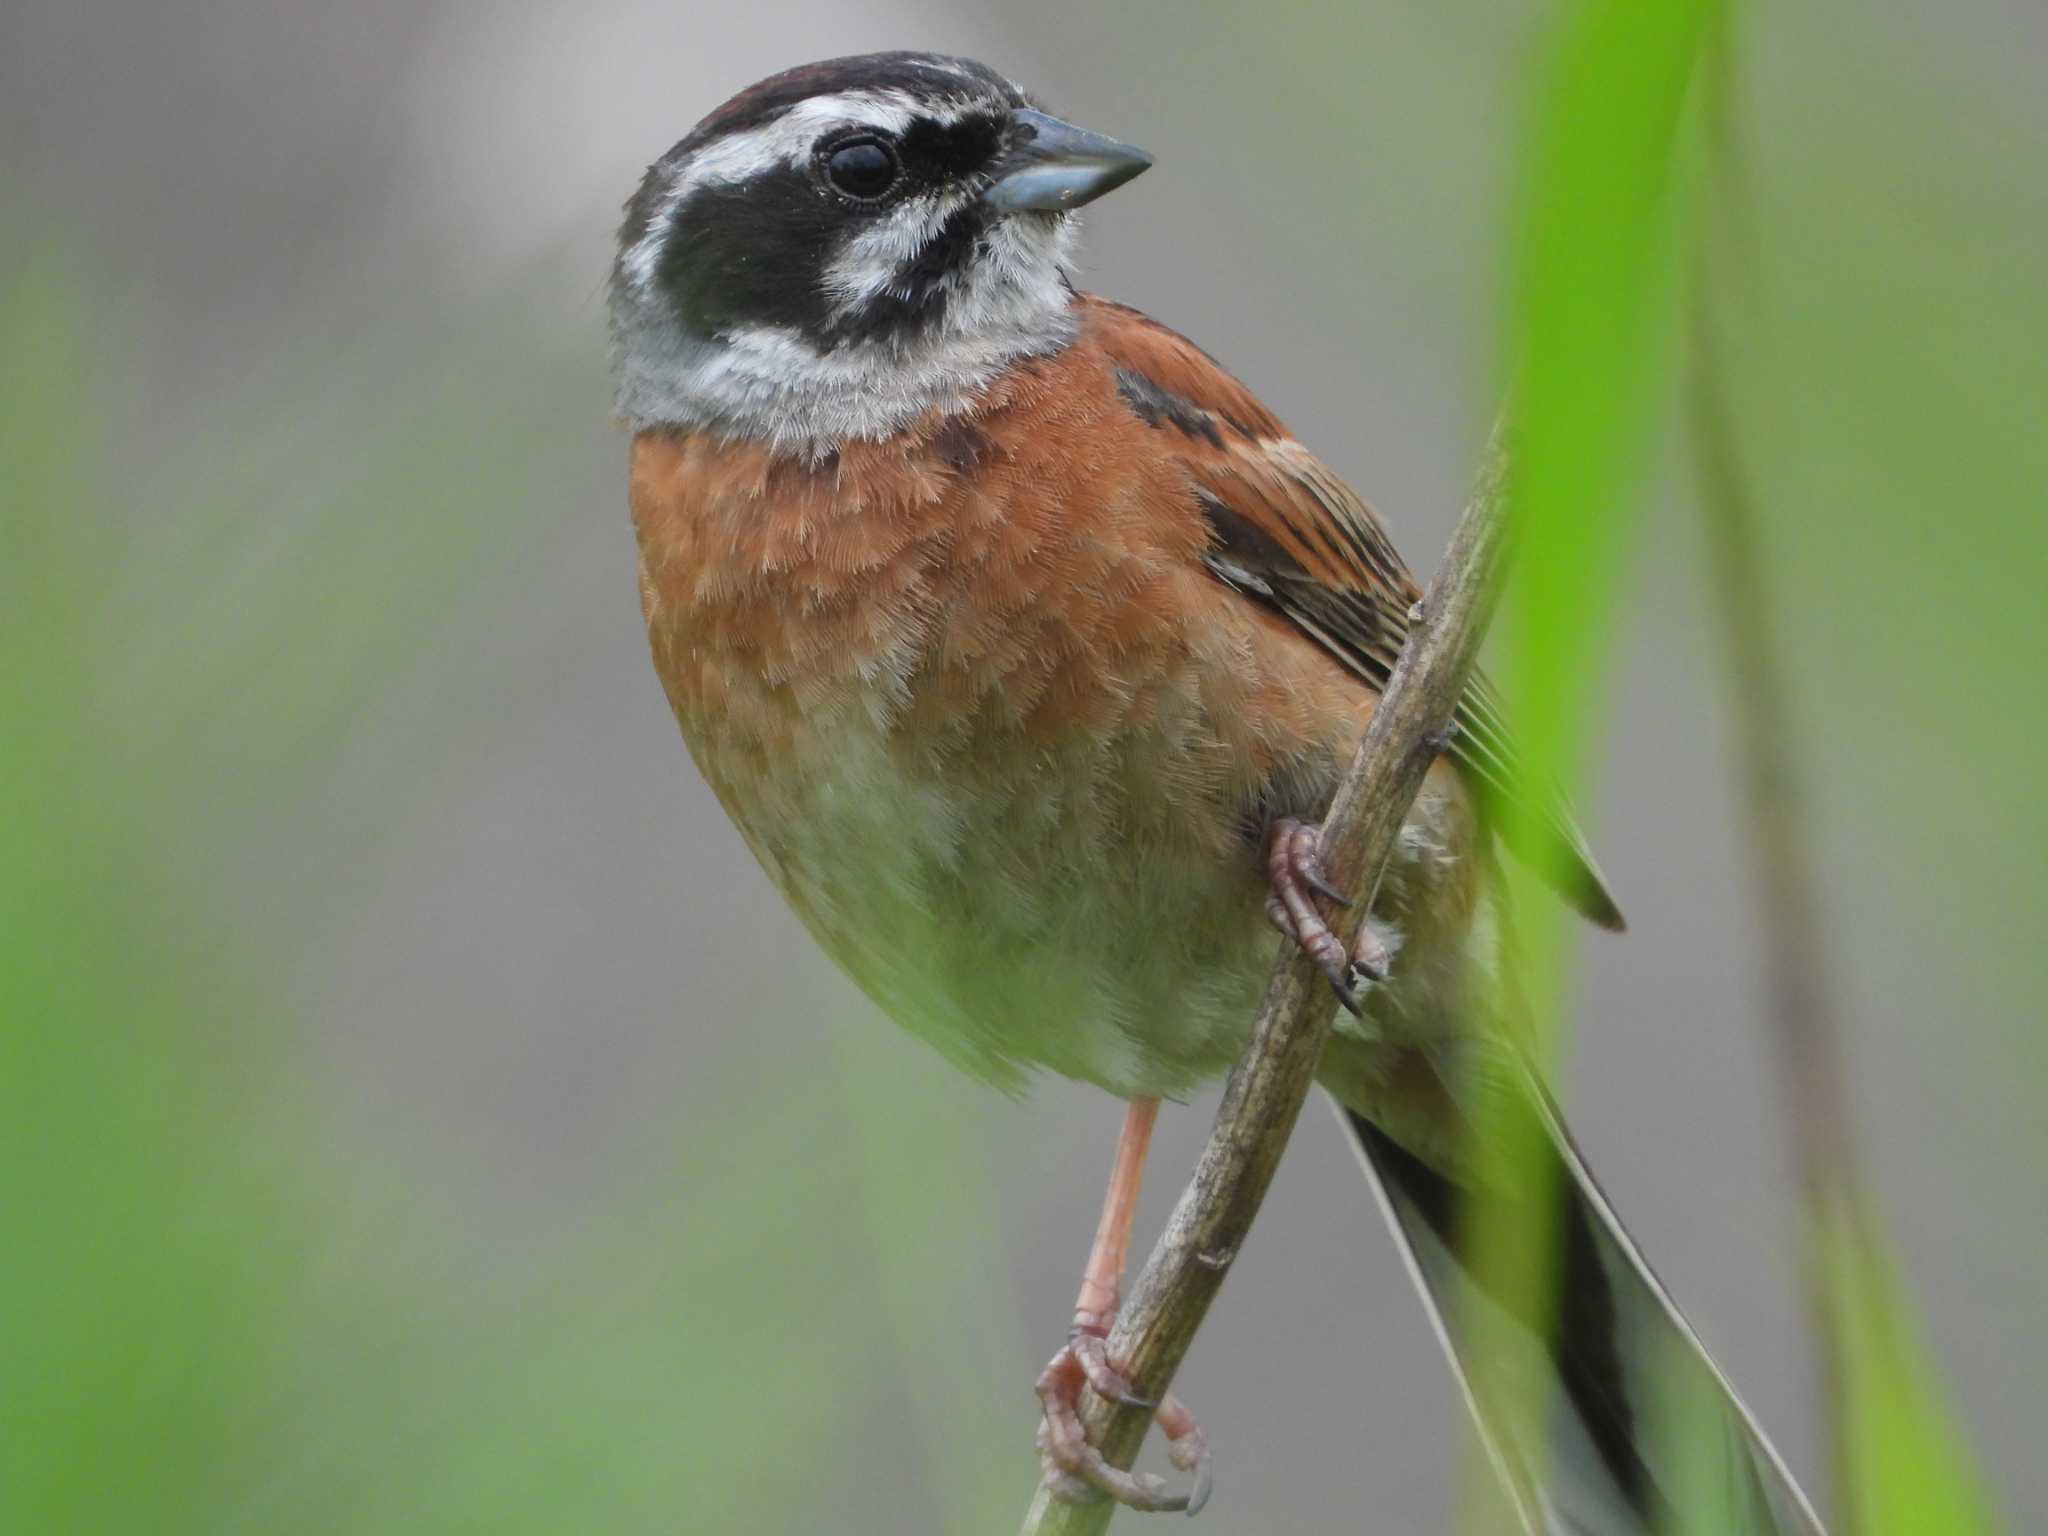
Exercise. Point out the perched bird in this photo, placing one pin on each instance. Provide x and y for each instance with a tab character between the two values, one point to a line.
1024	647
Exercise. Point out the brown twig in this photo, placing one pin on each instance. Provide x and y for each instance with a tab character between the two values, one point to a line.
1265	1090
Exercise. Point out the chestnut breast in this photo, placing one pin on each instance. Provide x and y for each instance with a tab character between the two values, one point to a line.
989	724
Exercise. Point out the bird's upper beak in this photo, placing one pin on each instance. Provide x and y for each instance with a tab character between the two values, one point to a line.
1053	166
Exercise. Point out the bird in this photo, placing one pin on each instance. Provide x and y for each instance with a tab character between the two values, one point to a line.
1024	647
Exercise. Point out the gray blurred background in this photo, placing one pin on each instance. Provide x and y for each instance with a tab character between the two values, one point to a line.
529	958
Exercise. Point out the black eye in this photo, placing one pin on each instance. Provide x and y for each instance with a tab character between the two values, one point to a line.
863	168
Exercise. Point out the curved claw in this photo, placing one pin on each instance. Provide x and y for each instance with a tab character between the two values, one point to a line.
1294	872
1318	882
1371	959
1205	1484
1076	1471
1188	1448
1321	946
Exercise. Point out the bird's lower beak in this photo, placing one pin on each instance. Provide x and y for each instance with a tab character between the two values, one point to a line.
1052	166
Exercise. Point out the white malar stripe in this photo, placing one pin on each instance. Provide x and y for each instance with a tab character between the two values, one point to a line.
871	263
769	384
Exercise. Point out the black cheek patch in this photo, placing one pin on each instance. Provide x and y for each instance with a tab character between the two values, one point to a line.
755	253
1160	407
750	254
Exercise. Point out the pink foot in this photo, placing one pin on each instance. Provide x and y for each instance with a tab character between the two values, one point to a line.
1075	1469
1295	876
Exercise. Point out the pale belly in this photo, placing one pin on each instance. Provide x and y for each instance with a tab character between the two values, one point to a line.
1039	919
1015	923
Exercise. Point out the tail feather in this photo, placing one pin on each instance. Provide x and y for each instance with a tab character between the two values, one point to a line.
1633	1429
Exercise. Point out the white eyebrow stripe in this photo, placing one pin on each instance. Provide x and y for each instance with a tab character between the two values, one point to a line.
786	139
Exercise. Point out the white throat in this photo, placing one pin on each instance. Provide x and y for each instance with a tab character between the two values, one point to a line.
772	385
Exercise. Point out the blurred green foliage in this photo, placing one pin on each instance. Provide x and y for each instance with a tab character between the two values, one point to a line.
1895	367
1588	346
1609	195
1909	1468
213	1321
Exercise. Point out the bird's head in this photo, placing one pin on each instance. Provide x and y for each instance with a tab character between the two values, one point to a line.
847	244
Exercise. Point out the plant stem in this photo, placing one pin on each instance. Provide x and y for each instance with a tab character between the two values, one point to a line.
1802	1016
1264	1093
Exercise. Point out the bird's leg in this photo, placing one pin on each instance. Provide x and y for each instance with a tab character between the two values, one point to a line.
1294	877
1072	1465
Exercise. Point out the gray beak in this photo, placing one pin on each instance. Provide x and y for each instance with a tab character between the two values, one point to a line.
1053	166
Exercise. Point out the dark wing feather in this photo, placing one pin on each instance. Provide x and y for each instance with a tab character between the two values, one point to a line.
1288	534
